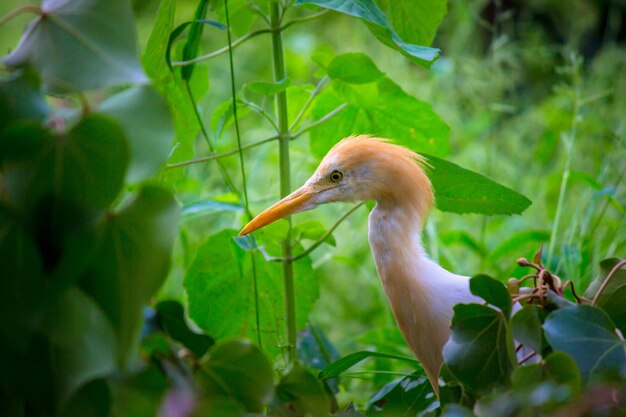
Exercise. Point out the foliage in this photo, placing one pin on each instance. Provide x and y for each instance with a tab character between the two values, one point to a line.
112	307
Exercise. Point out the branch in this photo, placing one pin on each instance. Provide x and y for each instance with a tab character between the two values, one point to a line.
618	266
318	88
320	240
243	39
221	154
319	122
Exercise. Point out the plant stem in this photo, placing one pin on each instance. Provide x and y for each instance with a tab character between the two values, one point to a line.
284	137
606	281
20	10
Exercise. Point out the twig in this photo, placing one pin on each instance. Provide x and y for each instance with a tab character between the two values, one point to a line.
318	88
318	122
221	154
20	10
525	358
606	281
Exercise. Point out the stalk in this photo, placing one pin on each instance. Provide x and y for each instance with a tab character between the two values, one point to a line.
284	137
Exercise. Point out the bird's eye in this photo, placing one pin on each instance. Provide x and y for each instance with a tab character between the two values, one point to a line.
336	176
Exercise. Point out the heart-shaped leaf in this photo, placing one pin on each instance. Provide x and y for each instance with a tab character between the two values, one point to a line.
492	291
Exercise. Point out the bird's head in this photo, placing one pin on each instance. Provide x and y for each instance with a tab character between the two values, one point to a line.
358	168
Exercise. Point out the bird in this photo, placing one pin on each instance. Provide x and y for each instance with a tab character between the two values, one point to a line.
420	292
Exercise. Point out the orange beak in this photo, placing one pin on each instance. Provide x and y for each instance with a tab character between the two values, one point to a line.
296	201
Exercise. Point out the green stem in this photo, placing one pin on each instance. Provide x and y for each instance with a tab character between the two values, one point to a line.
20	10
285	176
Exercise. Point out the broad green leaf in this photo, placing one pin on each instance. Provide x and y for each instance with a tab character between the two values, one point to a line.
300	391
410	395
239	369
526	327
493	292
172	319
480	350
354	68
381	109
147	123
85	44
21	98
340	366
153	58
223	117
83	341
414	21
269	89
519	241
312	230
85	166
460	190
384	28
613	297
587	334
240	14
557	367
92	400
221	292
132	262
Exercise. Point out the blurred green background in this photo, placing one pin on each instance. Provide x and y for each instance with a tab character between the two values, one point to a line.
527	88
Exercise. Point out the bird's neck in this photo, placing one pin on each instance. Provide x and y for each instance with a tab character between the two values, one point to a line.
420	292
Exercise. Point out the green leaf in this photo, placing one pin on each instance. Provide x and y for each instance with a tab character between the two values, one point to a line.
240	14
526	327
354	68
381	109
192	43
410	395
302	392
83	341
587	334
21	98
312	230
223	117
459	190
153	58
480	350
340	366
517	242
493	292
92	400
269	89
147	123
381	25
132	262
220	290
172	318
613	297
139	394
85	166
96	38
557	367
239	369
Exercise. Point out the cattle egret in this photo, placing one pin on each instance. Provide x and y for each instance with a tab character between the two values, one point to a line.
420	292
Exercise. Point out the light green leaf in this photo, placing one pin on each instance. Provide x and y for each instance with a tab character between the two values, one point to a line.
354	68
153	58
132	263
380	109
269	89
239	369
147	123
492	291
220	290
384	27
479	352
587	334
302	392
340	366
83	340
84	43
460	190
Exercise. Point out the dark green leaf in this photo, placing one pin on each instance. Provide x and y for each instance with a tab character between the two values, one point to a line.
269	89
302	392
139	394
185	75
613	297
21	98
85	44
314	348
83	341
526	327
239	369
480	350
587	334
381	109
172	318
133	262
220	289
406	396
558	367
381	26
354	68
192	43
92	400
460	190
340	366
492	291
85	166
